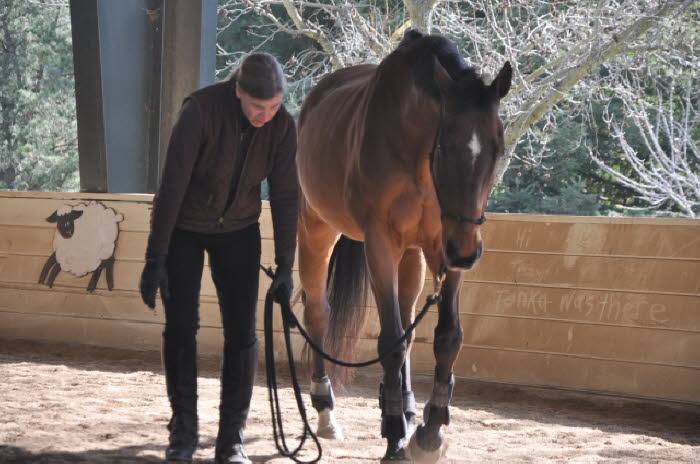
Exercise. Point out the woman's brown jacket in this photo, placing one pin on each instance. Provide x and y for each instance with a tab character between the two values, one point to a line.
199	170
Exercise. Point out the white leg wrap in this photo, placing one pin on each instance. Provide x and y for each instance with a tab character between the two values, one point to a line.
327	426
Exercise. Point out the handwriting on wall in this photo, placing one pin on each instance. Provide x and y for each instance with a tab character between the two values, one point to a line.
605	307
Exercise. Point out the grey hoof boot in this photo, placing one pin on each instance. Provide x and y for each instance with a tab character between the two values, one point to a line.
426	449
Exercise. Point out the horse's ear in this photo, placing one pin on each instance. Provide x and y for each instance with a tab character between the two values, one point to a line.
411	35
501	84
442	77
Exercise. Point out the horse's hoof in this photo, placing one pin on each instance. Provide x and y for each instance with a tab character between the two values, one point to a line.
328	428
330	433
424	450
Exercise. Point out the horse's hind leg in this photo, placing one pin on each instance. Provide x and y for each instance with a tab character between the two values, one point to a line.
427	444
316	240
411	278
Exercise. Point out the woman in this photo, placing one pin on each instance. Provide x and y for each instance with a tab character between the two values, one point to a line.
228	138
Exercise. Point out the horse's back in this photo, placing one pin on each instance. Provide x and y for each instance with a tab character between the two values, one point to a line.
330	134
351	80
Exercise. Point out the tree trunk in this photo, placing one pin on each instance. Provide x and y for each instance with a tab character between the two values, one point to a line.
420	12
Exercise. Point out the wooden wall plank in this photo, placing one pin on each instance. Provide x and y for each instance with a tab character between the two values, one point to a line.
589	272
32	212
19	269
125	306
596	307
118	334
131	245
662	240
635	379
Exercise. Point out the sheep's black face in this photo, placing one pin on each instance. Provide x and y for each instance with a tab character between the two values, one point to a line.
65	223
66	228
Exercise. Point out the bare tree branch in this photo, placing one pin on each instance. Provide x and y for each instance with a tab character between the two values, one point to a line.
563	52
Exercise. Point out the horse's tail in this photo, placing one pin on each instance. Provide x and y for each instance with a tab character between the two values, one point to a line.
348	291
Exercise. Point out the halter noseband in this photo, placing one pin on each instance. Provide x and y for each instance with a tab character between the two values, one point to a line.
462	219
436	146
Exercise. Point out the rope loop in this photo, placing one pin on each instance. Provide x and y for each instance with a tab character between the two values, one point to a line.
289	320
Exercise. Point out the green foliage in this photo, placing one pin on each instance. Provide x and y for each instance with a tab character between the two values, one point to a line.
38	135
562	184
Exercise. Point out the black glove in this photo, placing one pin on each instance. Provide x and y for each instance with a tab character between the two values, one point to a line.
153	277
282	283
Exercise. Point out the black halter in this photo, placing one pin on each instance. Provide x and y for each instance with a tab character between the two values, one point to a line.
462	219
436	147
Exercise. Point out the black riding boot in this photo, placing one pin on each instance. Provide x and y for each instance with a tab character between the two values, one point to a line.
180	363
237	379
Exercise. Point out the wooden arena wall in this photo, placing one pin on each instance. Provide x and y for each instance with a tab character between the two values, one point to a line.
596	304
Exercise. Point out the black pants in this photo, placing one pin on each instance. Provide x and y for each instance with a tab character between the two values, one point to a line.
234	259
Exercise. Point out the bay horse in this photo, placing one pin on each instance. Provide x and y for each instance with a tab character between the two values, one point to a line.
400	156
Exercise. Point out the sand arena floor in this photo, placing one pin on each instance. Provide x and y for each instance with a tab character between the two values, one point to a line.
75	404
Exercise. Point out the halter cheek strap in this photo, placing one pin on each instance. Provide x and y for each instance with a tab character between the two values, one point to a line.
436	146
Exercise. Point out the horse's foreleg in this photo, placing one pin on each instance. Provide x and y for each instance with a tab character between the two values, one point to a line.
411	278
382	260
427	444
316	242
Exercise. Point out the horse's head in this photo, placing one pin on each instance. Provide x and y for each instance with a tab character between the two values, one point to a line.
469	145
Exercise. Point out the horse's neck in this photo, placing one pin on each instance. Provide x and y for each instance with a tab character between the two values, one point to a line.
407	114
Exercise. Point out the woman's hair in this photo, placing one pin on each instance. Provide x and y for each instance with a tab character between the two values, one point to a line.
260	76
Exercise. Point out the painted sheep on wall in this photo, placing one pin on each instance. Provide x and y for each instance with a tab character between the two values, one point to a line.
83	243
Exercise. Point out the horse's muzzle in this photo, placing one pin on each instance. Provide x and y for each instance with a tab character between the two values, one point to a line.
454	260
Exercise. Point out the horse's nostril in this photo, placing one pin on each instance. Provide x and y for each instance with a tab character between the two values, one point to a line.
450	251
464	262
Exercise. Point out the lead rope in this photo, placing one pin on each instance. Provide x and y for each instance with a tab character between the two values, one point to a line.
290	320
275	410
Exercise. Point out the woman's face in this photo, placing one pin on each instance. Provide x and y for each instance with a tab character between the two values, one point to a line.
259	112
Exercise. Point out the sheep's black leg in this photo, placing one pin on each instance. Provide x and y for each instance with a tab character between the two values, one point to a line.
109	273
52	276
95	277
49	264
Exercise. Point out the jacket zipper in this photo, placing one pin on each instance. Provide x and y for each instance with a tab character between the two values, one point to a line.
240	178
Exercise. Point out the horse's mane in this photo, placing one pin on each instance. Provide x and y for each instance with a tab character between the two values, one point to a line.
420	50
